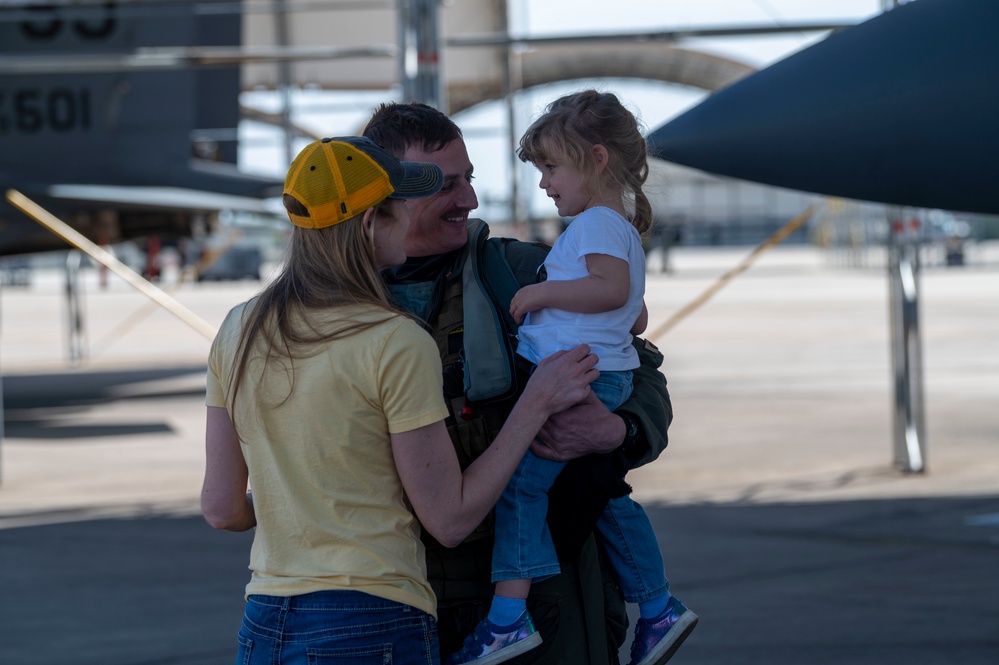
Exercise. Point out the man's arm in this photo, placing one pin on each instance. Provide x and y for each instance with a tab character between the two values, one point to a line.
580	493
649	407
637	430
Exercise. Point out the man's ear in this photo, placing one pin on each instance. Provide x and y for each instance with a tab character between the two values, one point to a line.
600	157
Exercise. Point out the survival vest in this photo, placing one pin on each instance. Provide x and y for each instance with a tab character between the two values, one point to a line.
476	337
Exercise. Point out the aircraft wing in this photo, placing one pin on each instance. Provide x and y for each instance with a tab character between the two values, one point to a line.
170	198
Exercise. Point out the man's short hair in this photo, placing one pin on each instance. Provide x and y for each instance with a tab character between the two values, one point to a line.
397	127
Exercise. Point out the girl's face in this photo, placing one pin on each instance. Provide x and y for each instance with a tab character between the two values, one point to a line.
388	233
566	185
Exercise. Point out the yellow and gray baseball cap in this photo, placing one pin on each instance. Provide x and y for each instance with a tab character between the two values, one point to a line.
338	178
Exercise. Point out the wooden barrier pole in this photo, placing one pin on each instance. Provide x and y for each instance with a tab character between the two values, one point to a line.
105	258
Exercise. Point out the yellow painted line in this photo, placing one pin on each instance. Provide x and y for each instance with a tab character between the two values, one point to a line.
779	236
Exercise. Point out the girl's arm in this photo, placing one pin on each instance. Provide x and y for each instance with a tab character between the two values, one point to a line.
450	503
642	322
606	288
225	503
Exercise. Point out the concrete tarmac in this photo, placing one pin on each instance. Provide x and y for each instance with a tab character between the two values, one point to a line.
782	517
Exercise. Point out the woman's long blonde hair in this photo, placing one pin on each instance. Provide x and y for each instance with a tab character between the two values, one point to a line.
323	269
573	124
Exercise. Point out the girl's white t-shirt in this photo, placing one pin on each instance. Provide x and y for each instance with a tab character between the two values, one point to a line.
598	230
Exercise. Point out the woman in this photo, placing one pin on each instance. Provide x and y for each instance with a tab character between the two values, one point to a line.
328	401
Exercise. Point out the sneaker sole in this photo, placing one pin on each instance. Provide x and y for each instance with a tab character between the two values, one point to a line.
511	651
665	649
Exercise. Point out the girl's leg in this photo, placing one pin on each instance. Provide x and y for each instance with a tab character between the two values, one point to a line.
633	551
523	551
613	388
523	547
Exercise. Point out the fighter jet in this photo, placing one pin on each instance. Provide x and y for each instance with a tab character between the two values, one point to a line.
100	126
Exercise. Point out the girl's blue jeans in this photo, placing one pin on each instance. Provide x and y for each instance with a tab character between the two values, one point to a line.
524	549
335	627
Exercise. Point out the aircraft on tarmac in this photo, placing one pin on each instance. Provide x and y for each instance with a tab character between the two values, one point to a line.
95	130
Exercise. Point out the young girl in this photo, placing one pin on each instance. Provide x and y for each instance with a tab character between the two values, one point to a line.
593	163
329	402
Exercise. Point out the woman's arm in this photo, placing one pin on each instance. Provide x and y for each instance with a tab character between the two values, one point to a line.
450	503
225	502
604	289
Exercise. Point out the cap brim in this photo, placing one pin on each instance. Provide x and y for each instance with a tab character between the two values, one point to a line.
419	179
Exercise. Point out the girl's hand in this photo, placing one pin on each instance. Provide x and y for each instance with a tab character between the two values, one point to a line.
526	300
562	379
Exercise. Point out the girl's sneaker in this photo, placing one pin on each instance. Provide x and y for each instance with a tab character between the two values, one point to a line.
656	640
486	645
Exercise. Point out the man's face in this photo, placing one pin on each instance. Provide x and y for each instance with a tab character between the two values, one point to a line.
437	223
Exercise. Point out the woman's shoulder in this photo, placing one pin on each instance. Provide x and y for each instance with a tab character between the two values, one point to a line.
386	322
402	337
235	318
401	323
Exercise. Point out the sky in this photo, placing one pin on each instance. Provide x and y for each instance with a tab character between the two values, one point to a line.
654	103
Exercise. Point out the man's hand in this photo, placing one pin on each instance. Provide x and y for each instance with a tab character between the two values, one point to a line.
580	430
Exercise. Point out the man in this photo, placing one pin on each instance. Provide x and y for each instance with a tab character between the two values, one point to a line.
458	282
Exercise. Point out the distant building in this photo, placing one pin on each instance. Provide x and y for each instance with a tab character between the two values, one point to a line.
699	208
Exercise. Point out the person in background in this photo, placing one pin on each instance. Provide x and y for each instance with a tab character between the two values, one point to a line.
458	281
326	398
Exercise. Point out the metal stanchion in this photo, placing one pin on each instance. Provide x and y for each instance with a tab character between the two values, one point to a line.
74	308
907	357
419	52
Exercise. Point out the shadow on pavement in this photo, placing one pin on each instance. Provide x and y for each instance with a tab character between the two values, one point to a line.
860	582
88	388
151	590
48	407
910	581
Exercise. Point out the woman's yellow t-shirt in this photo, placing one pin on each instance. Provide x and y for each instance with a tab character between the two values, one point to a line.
330	507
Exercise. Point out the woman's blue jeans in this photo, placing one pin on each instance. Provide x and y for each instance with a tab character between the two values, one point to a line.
524	548
335	627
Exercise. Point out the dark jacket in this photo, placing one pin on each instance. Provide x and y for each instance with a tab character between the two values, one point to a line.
580	613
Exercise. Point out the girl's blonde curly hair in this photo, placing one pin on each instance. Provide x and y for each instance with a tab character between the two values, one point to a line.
573	124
